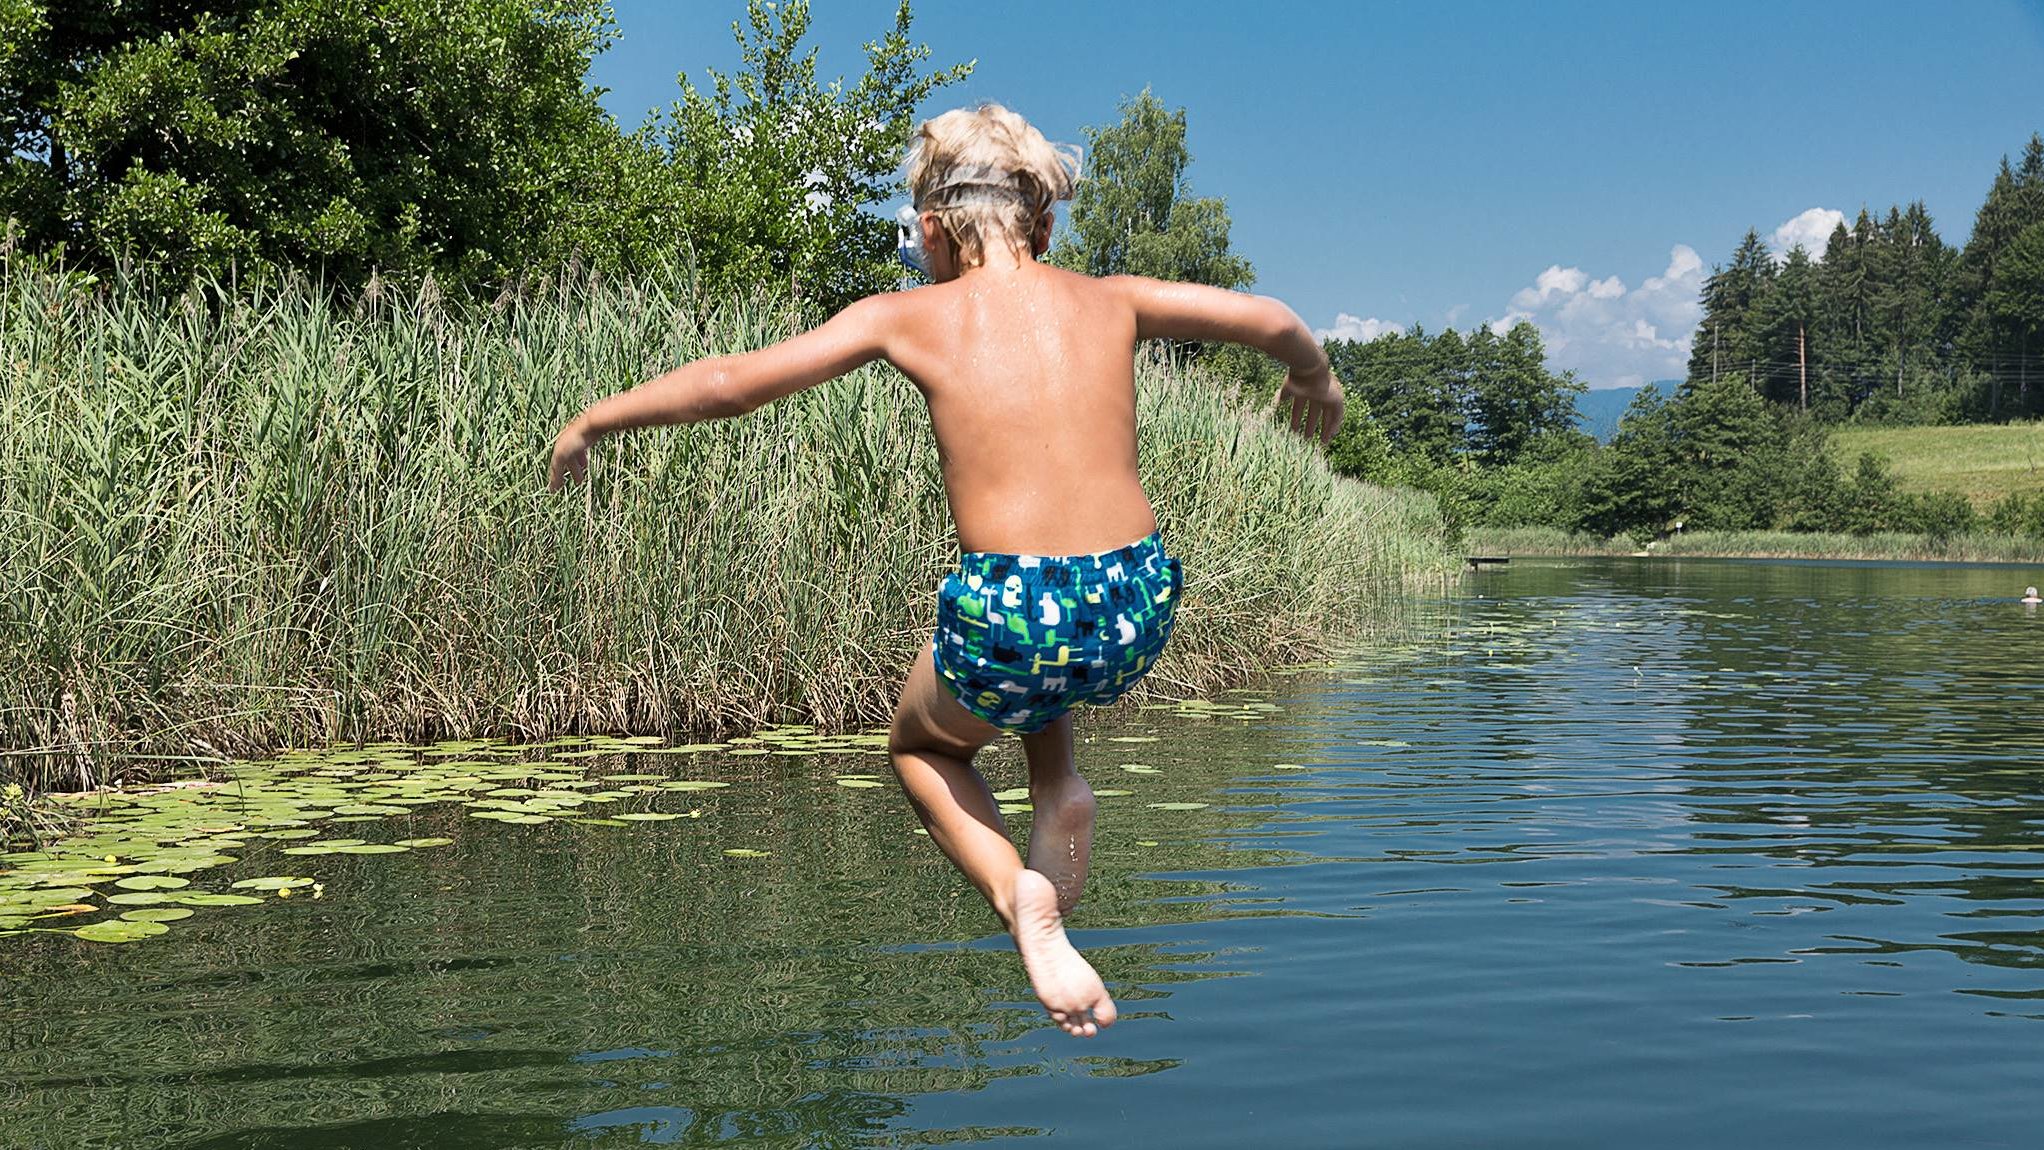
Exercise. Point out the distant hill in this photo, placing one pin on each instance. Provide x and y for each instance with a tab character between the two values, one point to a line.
1598	411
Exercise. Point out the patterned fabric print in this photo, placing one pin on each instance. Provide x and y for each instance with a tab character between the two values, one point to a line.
1021	639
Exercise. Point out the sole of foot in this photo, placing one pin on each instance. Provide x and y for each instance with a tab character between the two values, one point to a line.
1065	983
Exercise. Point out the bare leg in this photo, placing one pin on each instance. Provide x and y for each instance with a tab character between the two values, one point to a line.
1061	831
932	741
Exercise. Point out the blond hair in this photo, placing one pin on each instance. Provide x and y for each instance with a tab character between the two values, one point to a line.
986	172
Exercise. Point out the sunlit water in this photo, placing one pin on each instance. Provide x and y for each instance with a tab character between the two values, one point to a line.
1615	854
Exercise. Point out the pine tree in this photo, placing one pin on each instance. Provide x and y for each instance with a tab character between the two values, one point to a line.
1727	339
1846	300
2015	304
1786	313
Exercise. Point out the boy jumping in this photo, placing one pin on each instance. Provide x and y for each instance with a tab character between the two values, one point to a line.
1028	373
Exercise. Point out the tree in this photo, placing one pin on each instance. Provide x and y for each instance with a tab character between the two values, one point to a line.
1133	213
1633	486
1784	317
1513	400
2015	302
2014	203
776	170
334	135
1909	264
1413	385
1726	340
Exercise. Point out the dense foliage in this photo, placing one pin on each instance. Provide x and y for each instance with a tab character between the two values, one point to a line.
1478	420
276	518
1134	212
1889	322
342	137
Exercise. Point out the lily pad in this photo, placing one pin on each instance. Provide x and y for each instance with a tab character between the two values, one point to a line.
1012	794
417	843
386	848
746	853
1176	806
693	785
271	882
117	930
647	816
856	784
137	898
158	914
207	898
1133	739
151	882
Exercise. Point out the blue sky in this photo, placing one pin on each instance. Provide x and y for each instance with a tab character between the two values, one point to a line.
1581	165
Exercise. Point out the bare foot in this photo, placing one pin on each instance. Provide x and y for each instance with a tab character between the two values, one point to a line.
1061	836
1064	982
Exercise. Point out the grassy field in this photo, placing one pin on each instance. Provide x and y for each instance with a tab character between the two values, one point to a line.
237	523
1983	462
1548	541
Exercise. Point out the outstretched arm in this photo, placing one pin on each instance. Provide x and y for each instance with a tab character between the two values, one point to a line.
1311	395
727	385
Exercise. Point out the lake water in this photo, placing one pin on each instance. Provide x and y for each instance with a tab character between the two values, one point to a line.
1612	854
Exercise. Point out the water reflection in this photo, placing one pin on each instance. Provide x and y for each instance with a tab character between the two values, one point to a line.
1680	854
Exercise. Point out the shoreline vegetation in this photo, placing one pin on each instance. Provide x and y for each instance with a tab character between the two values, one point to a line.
250	519
1553	542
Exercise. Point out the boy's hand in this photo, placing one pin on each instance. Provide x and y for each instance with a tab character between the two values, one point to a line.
571	456
1312	401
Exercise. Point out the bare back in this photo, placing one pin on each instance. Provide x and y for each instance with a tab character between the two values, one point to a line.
1029	374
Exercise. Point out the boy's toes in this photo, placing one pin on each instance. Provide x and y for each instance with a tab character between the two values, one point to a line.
1105	1013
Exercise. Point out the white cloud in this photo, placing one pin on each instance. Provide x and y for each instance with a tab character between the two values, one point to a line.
1608	334
1811	228
1355	328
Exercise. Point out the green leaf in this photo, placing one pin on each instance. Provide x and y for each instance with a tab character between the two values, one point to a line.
117	930
158	914
151	882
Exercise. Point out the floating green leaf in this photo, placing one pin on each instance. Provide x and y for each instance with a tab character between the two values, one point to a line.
746	853
151	882
384	848
1176	806
203	898
271	882
137	898
117	930
856	784
647	816
158	914
417	843
693	785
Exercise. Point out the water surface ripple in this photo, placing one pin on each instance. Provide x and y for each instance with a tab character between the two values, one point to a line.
1607	854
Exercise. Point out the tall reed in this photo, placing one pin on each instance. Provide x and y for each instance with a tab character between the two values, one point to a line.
1978	547
236	520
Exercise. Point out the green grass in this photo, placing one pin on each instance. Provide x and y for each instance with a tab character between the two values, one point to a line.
238	524
1546	541
1983	462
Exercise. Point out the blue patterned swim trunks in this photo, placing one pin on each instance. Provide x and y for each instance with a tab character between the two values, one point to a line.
1021	639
